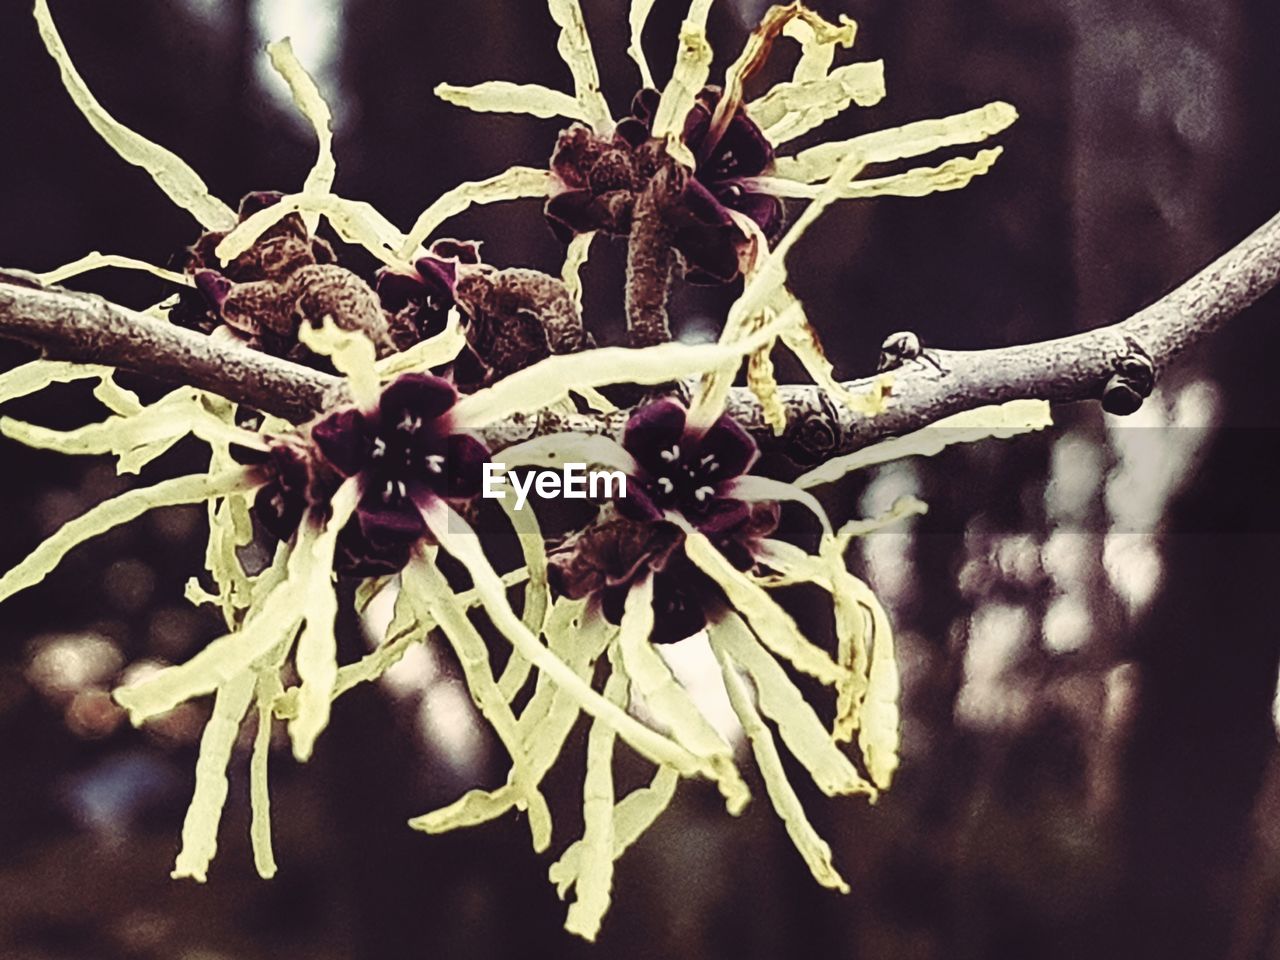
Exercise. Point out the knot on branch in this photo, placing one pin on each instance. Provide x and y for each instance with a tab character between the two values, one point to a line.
1132	382
817	432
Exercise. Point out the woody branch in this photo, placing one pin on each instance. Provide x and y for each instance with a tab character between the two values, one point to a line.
66	325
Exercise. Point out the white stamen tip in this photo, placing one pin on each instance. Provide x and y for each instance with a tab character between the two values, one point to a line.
671	455
666	484
703	492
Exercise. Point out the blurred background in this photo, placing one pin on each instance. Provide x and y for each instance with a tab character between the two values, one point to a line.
1087	626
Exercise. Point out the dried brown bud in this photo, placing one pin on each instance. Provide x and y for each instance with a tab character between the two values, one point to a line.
328	290
517	317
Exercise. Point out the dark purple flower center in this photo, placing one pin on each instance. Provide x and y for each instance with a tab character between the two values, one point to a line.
418	301
687	480
684	470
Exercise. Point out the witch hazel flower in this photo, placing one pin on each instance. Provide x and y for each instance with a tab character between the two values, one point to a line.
716	153
689	550
677	477
598	181
404	454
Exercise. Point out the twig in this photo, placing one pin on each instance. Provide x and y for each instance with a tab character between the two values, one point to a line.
74	326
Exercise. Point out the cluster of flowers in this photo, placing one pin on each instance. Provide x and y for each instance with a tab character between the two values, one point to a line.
378	487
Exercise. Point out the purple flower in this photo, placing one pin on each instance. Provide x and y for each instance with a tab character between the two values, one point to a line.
291	484
677	471
685	472
597	181
405	453
418	302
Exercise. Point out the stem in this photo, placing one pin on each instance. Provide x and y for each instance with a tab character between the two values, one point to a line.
650	262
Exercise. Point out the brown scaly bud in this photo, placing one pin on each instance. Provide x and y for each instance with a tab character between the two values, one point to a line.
328	290
266	314
516	317
281	250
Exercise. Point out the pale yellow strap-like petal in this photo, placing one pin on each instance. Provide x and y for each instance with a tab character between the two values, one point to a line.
517	183
317	655
760	297
459	540
764	384
898	143
308	100
692	68
274	620
355	221
879	720
802	340
575	49
791	110
264	858
544	725
795	565
433	352
818	49
634	814
352	353
757	489
502	96
537	594
955	174
903	508
117	399
112	513
773	624
99	261
574	259
423	576
579	636
814	850
171	174
636	19
782	702
138	438
594	882
34	376
200	828
669	702
1000	421
554	378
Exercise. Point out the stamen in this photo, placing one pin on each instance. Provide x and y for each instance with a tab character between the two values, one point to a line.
410	423
709	461
404	491
703	492
666	484
435	463
388	492
379	448
670	456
